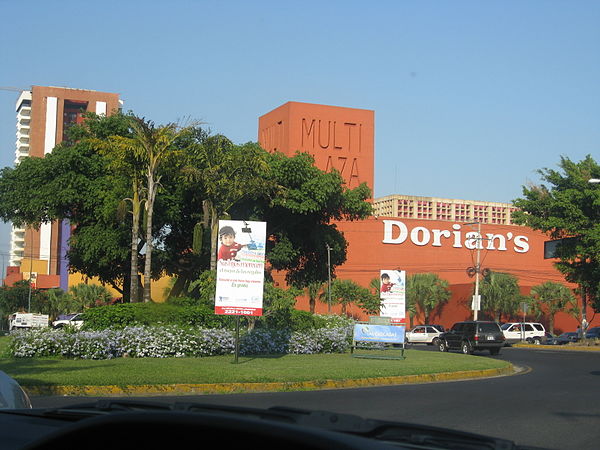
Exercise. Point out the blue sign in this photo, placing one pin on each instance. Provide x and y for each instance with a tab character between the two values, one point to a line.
379	333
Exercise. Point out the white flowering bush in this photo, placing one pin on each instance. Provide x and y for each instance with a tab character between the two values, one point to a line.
173	341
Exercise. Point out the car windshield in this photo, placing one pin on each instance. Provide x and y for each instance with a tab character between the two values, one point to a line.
272	204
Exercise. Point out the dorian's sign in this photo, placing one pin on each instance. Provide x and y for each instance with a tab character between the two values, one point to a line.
396	232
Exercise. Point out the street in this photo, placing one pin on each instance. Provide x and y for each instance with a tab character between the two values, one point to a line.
553	404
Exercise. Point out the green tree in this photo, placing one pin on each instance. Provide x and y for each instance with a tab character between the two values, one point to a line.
228	173
74	183
426	291
553	298
566	206
54	302
313	290
153	146
500	294
301	214
16	298
346	292
89	295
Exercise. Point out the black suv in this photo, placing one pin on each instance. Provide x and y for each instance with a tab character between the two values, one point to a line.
472	335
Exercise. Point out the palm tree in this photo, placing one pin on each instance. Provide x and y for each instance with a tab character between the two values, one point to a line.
427	291
154	146
346	292
313	290
500	294
89	295
554	297
228	173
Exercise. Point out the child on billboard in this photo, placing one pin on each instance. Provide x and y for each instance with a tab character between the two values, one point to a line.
229	248
386	284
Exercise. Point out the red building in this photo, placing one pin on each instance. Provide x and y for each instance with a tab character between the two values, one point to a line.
343	138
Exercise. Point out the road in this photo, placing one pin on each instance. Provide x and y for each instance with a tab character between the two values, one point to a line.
554	403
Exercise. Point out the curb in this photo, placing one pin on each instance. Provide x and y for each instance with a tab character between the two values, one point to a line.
560	347
236	388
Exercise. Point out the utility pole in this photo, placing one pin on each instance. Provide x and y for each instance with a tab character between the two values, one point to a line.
328	278
478	240
477	272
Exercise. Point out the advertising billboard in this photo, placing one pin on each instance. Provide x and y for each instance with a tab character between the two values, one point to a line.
392	292
240	267
379	333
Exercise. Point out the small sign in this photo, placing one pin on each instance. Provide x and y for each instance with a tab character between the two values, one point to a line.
476	303
379	333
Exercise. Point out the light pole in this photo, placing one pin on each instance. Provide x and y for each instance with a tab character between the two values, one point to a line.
328	278
476	302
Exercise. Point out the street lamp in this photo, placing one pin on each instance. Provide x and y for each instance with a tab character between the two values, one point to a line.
594	180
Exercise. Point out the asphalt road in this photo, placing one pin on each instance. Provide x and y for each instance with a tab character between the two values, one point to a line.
554	403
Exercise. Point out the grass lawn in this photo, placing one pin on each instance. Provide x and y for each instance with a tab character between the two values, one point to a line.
223	369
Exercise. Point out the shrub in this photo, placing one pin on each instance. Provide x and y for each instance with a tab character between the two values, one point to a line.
127	314
173	341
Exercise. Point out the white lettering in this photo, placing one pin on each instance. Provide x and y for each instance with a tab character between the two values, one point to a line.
521	244
388	226
501	241
437	237
473	240
414	236
456	233
396	232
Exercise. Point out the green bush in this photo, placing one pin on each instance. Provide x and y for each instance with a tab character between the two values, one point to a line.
126	314
122	315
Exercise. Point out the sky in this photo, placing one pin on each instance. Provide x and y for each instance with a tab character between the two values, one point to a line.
471	98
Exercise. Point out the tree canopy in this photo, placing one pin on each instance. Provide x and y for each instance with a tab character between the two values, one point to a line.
427	292
500	294
567	206
87	178
552	298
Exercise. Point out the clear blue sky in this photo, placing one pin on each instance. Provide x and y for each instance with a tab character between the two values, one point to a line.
470	97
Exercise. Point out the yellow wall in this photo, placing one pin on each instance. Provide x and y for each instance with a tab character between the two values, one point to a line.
39	266
158	287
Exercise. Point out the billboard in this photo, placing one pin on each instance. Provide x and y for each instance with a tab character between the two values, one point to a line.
379	333
240	267
392	292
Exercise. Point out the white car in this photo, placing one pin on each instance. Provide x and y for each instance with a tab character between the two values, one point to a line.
422	334
531	332
76	320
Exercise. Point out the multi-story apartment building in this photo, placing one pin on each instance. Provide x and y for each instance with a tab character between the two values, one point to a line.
433	208
43	116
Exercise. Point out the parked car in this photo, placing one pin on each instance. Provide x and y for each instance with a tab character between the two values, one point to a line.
423	334
472	335
531	332
74	320
593	333
564	338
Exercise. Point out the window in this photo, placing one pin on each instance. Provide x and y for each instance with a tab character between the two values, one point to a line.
488	328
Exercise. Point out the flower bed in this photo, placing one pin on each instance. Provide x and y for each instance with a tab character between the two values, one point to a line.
173	341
